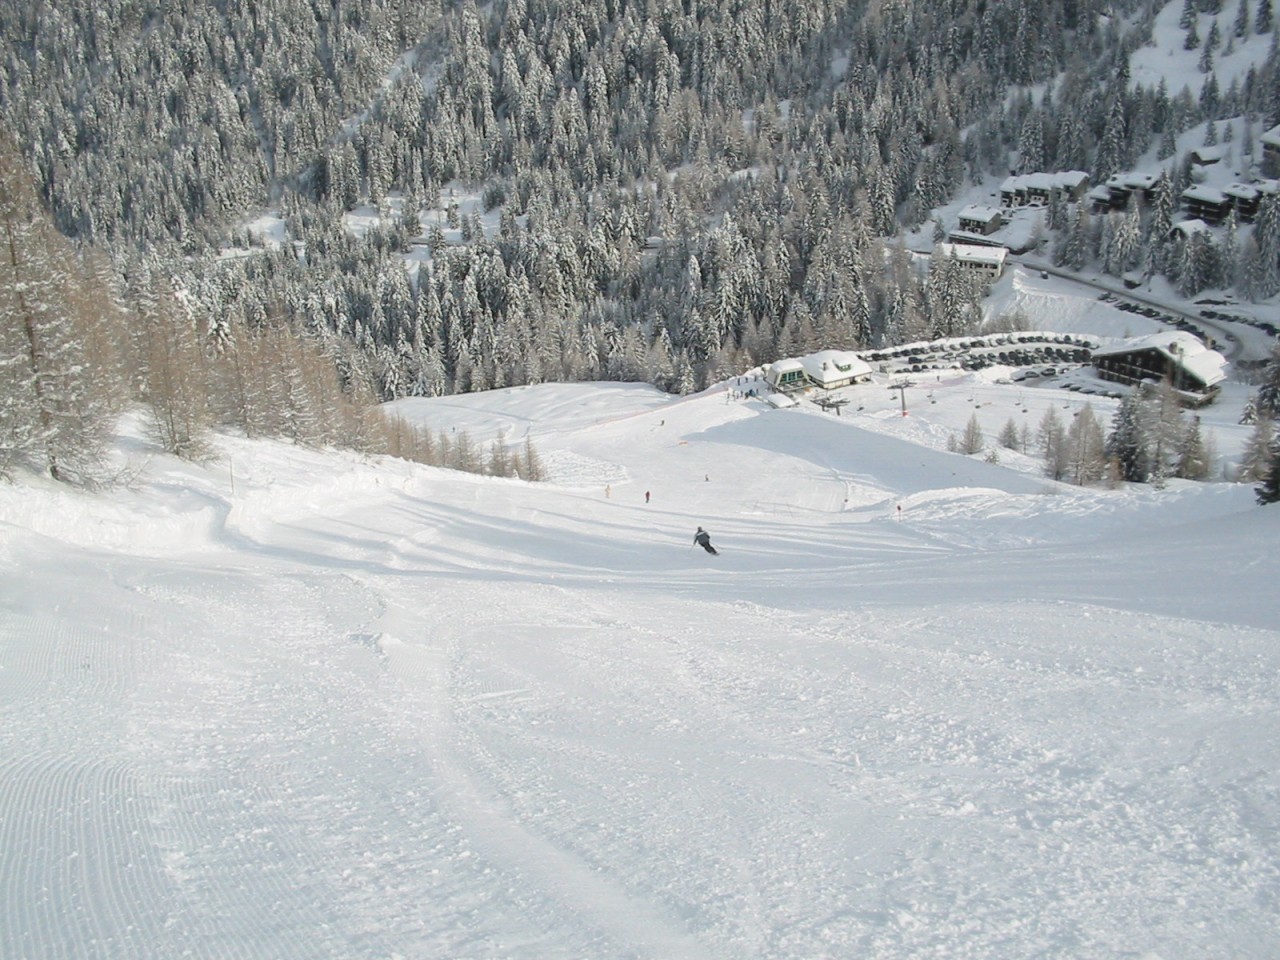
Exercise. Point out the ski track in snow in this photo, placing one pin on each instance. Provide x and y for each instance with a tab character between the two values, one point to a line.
352	711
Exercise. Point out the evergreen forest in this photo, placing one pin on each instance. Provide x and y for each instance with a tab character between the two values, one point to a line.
674	191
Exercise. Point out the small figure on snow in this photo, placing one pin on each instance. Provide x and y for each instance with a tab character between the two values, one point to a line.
703	539
646	496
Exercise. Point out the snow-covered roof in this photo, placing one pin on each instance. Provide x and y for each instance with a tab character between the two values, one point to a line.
1188	227
785	366
1208	154
1204	194
979	211
825	363
1272	136
1206	366
973	253
1044	181
1135	180
1184	349
1241	191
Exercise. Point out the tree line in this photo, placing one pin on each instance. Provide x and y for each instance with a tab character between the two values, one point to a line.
1152	439
73	355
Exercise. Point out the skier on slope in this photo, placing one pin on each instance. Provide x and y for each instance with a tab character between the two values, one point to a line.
703	539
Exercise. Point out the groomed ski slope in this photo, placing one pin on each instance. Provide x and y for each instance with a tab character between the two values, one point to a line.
295	704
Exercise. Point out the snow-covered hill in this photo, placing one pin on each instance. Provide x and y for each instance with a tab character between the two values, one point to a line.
299	705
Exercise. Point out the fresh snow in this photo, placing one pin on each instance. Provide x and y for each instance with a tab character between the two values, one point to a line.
302	704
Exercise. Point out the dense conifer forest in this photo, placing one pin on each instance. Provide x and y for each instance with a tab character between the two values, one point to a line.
683	189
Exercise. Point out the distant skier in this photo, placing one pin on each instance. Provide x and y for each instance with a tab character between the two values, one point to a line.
703	539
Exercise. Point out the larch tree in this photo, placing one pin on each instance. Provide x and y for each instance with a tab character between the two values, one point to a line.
1195	460
176	379
1009	435
1086	448
56	399
1053	445
1162	414
973	441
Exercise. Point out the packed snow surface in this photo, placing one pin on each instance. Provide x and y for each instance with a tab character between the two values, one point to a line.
296	704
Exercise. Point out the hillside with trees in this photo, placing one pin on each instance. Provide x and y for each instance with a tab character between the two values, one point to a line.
681	190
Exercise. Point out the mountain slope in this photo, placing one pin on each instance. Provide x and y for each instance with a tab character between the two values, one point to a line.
297	704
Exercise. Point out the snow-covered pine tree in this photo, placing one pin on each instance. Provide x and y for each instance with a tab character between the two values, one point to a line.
1269	489
1198	268
1266	235
1113	148
1127	444
947	295
1192	40
1031	144
1240	28
1126	242
1072	247
1188	15
1206	52
1267	399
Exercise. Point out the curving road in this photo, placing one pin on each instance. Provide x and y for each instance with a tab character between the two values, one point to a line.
1225	341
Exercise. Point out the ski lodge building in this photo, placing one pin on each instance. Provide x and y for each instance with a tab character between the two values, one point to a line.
828	369
1195	371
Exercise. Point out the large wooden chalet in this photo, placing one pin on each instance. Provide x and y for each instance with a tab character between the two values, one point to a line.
1194	370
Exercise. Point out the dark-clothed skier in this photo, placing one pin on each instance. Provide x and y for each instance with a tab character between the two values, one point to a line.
703	539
